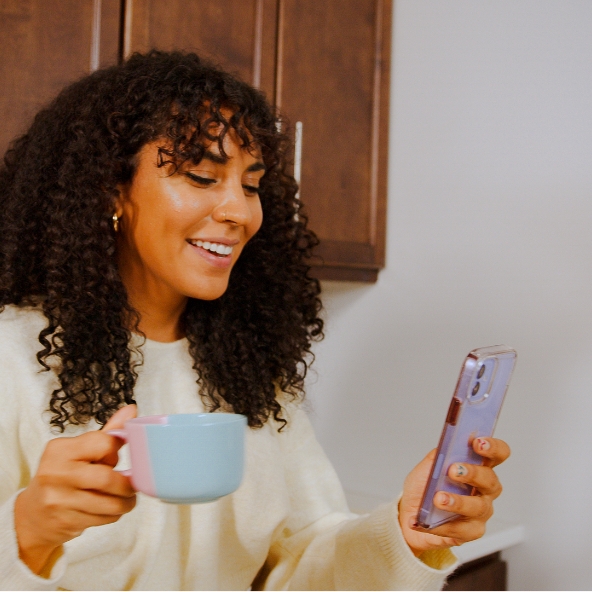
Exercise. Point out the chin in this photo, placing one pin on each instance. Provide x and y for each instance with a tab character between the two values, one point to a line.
210	292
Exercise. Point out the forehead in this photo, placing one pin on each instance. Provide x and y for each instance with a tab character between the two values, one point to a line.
230	147
220	149
220	137
221	133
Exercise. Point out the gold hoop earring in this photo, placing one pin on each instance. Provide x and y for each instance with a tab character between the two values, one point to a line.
115	222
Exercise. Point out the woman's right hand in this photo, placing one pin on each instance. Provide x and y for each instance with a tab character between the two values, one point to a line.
75	487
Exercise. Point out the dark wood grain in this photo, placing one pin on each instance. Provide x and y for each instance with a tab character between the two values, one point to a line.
333	76
486	573
44	45
111	35
237	34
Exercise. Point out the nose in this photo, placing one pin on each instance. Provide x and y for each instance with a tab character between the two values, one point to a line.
234	206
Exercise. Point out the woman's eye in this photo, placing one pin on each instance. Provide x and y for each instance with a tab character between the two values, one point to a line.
251	190
204	181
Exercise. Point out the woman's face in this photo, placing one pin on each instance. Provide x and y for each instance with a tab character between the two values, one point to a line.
181	233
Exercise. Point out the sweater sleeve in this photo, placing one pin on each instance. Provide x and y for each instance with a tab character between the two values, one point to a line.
15	471
15	575
322	546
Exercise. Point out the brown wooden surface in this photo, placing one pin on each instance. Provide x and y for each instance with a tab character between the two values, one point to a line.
344	274
45	44
486	573
111	32
240	35
333	76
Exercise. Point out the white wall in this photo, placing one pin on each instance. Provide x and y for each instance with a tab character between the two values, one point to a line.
489	241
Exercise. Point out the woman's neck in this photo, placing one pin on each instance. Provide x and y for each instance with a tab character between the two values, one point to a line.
163	330
159	306
160	319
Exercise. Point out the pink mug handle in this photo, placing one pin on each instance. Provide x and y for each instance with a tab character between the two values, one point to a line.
122	435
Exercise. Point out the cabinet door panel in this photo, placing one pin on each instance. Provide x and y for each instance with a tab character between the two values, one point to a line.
332	75
45	44
237	34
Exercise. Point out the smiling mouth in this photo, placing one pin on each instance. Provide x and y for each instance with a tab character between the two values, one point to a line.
215	248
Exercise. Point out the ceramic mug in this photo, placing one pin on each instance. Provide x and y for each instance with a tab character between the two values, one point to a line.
185	458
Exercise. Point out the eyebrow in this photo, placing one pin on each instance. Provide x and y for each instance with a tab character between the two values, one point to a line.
256	166
218	159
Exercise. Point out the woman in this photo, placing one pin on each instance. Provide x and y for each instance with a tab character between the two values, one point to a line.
151	254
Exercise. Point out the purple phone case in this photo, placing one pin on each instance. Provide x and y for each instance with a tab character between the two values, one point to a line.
473	412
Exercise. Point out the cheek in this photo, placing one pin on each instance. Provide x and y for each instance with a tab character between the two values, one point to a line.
256	220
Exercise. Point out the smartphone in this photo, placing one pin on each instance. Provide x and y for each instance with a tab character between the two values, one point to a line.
473	412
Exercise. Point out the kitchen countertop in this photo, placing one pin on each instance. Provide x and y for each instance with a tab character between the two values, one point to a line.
500	535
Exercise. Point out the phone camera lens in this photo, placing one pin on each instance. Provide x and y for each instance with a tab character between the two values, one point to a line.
475	389
481	371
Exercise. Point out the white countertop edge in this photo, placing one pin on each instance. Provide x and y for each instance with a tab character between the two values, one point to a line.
500	534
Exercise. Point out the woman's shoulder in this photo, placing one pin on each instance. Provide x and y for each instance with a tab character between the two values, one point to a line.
20	327
22	316
295	412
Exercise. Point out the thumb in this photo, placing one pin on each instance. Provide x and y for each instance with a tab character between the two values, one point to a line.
120	417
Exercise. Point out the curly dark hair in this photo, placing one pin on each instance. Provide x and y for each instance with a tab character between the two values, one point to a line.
58	187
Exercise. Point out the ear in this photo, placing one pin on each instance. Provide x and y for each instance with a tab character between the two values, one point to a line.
120	199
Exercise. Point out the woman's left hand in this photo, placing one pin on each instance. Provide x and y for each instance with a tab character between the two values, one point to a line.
474	511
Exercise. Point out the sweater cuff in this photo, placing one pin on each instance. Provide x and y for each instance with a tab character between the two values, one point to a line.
433	565
372	554
15	574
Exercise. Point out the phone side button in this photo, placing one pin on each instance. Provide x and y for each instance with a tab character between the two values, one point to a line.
438	468
453	411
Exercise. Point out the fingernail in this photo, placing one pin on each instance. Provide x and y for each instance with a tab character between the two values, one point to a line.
445	499
461	471
483	444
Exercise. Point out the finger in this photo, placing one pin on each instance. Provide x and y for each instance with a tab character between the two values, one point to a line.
461	530
493	450
117	421
431	455
73	522
92	447
119	418
100	478
481	477
100	447
84	476
99	504
62	502
470	506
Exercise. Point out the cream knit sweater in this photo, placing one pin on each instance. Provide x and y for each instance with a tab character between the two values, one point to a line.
287	526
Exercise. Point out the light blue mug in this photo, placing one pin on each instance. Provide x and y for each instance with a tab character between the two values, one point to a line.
186	458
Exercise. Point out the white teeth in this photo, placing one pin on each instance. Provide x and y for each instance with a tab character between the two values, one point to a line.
218	248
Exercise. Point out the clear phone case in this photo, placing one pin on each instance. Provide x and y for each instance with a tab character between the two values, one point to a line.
473	412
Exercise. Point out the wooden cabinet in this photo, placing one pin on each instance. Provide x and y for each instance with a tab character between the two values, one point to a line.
239	35
45	44
485	573
333	77
324	64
